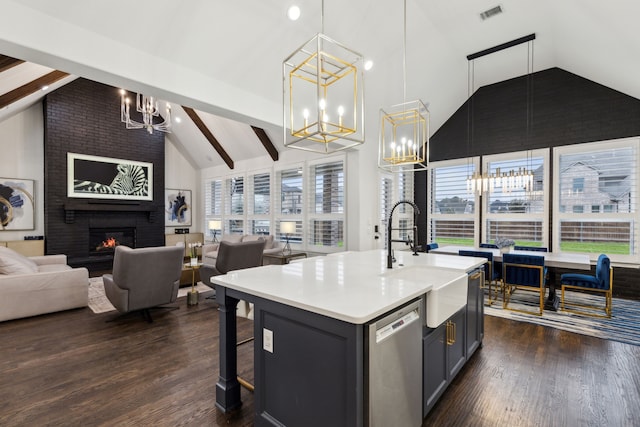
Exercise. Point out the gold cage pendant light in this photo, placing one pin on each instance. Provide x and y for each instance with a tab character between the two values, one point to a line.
323	96
404	129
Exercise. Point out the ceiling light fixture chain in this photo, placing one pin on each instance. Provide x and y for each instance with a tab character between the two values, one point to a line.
404	128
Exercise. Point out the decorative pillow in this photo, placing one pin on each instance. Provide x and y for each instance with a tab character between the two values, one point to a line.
11	262
252	238
232	238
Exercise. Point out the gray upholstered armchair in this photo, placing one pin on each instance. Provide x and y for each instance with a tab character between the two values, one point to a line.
233	256
144	278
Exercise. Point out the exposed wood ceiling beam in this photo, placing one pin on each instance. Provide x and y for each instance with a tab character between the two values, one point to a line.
7	62
207	134
31	87
266	141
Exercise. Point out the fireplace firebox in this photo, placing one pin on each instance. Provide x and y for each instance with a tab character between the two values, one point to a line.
103	241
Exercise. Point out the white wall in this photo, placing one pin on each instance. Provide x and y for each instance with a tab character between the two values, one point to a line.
180	174
22	156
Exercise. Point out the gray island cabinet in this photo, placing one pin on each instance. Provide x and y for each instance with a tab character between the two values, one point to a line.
333	334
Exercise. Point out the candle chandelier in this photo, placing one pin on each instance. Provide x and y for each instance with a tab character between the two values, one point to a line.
404	128
147	106
507	181
515	179
323	96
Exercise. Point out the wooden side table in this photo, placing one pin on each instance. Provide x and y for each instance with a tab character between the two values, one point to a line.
280	258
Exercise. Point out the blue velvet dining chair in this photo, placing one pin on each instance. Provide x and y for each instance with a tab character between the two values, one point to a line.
492	276
489	245
602	282
525	272
430	246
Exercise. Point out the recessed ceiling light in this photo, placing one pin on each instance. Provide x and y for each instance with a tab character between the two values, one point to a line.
45	87
178	120
293	12
368	64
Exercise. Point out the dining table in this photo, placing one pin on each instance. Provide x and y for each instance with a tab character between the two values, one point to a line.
573	261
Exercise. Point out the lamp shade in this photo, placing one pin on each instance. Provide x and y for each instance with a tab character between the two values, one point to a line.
287	227
215	224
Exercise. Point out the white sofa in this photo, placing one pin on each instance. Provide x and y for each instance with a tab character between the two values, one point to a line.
40	284
210	250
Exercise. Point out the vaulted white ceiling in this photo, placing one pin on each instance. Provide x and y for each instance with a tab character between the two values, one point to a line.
224	58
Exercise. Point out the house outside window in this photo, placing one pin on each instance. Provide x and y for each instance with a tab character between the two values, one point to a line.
608	170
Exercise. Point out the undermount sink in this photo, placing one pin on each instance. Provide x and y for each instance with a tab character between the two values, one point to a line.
448	293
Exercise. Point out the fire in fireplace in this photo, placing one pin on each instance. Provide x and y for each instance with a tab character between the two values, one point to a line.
103	241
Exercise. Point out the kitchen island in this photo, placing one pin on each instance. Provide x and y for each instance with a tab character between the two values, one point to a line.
311	326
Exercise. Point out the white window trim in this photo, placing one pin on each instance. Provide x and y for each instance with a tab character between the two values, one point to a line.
324	217
634	216
277	206
544	215
473	161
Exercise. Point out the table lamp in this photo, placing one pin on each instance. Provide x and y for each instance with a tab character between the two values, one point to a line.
287	228
214	226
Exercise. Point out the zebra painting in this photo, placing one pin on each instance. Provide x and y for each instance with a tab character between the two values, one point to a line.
101	177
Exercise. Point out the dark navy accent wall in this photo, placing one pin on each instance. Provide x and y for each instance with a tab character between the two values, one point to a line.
564	109
84	117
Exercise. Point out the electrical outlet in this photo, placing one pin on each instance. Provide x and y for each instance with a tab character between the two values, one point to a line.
267	340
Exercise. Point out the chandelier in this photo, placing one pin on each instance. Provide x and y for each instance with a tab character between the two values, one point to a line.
515	179
507	181
404	128
323	96
147	106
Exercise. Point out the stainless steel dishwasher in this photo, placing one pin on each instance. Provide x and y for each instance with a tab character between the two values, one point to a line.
394	367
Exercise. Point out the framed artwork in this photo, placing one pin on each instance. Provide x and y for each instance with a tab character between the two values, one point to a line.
177	207
17	204
107	178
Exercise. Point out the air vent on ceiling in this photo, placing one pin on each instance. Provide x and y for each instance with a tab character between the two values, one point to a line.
491	12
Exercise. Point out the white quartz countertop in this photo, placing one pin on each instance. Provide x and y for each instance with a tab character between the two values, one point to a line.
355	287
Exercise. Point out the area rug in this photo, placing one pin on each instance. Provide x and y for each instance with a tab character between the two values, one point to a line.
623	326
99	303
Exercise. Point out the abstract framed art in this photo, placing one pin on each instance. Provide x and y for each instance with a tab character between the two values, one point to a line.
17	204
177	207
107	178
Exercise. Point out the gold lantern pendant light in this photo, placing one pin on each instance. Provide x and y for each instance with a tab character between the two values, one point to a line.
404	128
323	96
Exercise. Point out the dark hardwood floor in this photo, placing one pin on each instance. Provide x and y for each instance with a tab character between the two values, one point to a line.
75	369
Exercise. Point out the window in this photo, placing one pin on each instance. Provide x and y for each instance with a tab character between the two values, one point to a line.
326	205
386	203
234	201
452	217
578	185
212	201
289	183
608	172
521	214
261	197
259	203
234	205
